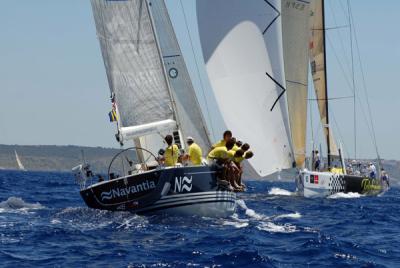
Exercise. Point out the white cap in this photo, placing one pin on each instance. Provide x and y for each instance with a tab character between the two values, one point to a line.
189	138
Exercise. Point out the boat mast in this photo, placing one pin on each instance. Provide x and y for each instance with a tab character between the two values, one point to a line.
176	117
328	142
353	81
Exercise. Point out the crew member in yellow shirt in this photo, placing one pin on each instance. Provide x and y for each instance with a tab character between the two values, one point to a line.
171	154
337	170
194	152
226	137
222	153
237	171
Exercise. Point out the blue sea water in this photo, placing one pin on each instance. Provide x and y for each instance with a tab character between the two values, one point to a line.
44	223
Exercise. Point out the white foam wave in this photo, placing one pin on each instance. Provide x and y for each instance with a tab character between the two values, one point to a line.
279	191
345	195
92	219
295	215
274	228
18	204
55	221
264	222
236	224
250	212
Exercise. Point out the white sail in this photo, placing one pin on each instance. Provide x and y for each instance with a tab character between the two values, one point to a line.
19	163
318	68
295	37
191	122
134	67
241	42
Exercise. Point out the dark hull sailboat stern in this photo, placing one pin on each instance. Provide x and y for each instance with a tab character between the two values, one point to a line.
178	190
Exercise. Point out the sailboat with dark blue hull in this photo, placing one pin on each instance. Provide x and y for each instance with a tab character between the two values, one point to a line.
152	96
181	190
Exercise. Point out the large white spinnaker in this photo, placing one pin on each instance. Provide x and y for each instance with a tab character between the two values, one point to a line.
134	67
318	69
241	42
295	37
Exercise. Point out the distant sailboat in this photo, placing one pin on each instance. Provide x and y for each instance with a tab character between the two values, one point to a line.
318	182
19	163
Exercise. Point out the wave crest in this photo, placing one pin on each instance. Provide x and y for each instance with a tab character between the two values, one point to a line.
345	195
279	191
18	204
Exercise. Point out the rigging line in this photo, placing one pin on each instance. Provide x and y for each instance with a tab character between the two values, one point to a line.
197	68
335	98
339	133
340	36
354	83
364	84
331	28
279	85
340	63
349	86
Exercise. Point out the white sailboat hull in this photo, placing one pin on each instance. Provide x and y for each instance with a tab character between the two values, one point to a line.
312	184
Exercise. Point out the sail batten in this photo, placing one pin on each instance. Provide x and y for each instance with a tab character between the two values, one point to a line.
295	18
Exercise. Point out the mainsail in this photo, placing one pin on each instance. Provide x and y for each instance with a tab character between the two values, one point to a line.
19	163
295	21
241	43
318	69
147	73
134	67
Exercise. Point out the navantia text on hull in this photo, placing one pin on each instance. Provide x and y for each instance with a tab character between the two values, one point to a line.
120	192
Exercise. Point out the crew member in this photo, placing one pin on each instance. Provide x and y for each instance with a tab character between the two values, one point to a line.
245	147
238	159
248	155
317	161
385	177
372	170
226	137
337	170
171	153
235	147
222	153
239	143
194	152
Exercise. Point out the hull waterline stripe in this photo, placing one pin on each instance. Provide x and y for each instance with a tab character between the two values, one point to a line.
173	196
152	209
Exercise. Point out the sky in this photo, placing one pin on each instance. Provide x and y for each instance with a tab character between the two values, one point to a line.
54	88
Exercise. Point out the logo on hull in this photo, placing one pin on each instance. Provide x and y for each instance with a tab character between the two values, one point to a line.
183	184
138	188
370	185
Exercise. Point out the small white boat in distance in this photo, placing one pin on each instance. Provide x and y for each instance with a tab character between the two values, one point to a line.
19	163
